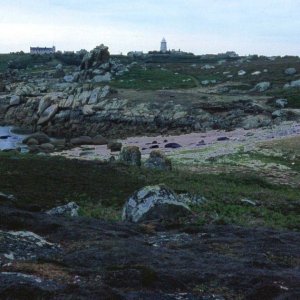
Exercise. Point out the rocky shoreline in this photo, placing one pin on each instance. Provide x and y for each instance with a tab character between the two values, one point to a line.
84	103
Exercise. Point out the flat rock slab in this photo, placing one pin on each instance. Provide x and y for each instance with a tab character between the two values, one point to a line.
121	261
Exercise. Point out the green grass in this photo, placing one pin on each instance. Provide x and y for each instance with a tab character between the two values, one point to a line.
152	79
219	213
102	189
292	95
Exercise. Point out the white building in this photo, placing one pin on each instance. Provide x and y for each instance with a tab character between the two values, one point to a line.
163	46
42	50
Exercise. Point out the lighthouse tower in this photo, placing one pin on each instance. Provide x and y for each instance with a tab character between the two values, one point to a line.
163	46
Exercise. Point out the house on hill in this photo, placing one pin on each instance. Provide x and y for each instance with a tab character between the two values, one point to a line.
42	50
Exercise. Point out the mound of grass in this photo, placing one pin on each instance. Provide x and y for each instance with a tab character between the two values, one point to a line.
152	79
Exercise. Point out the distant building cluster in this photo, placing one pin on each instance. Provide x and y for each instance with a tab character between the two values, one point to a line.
42	50
164	54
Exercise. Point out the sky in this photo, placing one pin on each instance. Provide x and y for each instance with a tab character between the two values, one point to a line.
264	27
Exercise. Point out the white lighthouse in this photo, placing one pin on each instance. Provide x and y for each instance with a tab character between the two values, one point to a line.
163	46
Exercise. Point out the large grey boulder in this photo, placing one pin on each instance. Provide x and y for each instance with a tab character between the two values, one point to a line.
96	57
69	78
102	78
99	140
82	140
281	103
94	96
156	202
114	146
158	160
25	90
277	113
71	209
250	122
295	84
131	155
40	137
48	114
290	71
262	86
44	103
105	92
15	100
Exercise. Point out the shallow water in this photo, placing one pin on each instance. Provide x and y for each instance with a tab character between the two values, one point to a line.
9	140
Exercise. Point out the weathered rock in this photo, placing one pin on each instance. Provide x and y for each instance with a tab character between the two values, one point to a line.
33	149
114	146
131	155
40	137
25	245
281	103
88	110
70	209
158	160
15	100
278	113
94	96
96	57
222	138
154	203
262	86
145	261
47	147
99	140
256	73
26	90
32	141
17	285
48	114
105	92
293	84
290	71
102	78
44	104
69	78
257	121
59	143
173	145
82	140
59	73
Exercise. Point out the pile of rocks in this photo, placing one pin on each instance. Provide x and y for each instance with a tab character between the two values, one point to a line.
98	67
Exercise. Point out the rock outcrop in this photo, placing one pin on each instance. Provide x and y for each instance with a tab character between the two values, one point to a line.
51	257
70	209
158	160
131	155
154	203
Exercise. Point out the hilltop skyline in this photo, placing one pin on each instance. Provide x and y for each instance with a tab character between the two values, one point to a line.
265	28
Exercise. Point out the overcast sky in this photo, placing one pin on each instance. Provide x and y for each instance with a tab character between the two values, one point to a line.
268	27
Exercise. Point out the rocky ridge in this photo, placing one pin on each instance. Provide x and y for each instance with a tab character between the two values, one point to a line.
83	103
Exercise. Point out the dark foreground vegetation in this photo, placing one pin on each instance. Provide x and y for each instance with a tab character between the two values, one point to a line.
204	257
101	189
